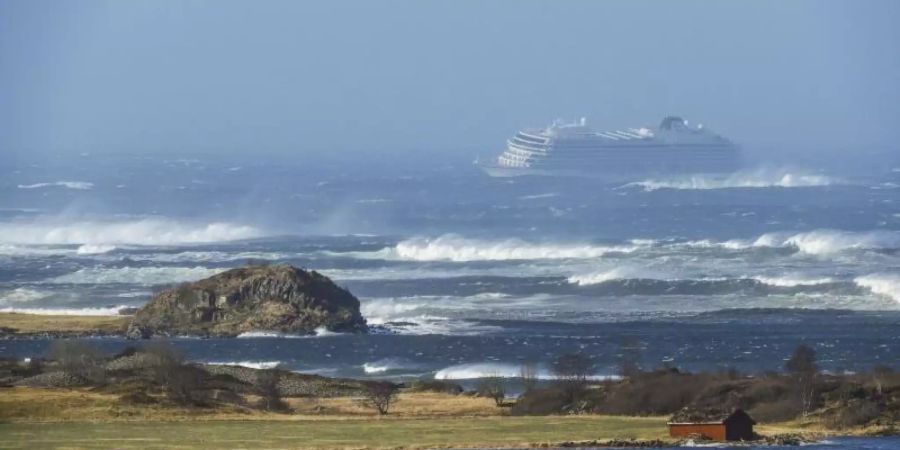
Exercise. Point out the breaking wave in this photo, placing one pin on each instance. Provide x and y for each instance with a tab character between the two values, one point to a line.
450	247
884	284
822	242
793	281
136	232
248	364
94	249
136	275
22	295
618	273
497	369
95	311
77	185
755	179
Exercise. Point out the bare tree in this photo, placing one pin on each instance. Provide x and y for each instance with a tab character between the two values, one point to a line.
267	384
181	382
879	374
629	358
380	395
528	375
572	371
79	360
802	367
492	387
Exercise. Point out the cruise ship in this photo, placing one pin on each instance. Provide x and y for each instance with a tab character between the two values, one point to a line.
574	149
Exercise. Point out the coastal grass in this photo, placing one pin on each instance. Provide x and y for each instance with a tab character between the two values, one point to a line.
38	418
407	433
36	323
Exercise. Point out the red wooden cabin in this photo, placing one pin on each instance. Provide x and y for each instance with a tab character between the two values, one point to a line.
735	425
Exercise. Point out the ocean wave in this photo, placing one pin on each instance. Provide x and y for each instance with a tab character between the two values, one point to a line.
248	364
450	247
269	334
825	241
77	185
22	295
135	232
884	284
755	179
498	369
94	249
208	256
388	365
618	273
147	276
89	311
793	281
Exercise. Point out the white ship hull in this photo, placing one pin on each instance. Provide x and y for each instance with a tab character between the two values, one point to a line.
577	151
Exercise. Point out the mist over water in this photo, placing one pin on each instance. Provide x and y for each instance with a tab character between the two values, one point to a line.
494	271
149	144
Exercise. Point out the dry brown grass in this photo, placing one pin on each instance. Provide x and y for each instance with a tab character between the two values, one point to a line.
35	323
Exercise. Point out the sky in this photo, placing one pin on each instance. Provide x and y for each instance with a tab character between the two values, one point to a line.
314	78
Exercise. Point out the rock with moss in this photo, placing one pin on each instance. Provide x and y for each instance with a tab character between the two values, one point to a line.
278	298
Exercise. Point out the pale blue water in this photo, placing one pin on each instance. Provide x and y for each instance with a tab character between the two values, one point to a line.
463	274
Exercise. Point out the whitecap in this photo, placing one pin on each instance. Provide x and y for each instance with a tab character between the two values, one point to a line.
788	281
248	364
761	178
147	276
90	311
471	371
22	295
825	241
94	249
153	231
77	185
884	284
451	247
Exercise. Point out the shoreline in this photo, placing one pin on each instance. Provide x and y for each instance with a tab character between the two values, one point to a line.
14	325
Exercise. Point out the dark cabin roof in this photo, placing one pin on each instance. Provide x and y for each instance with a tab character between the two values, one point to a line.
708	415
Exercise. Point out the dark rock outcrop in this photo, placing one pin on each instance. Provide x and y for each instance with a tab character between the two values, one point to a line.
278	298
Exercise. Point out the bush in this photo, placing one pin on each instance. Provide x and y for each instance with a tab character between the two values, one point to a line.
380	395
492	387
439	386
270	397
853	413
80	360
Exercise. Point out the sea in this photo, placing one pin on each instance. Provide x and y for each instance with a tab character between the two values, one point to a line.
461	275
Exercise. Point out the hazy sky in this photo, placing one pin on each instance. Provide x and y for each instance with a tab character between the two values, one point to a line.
378	76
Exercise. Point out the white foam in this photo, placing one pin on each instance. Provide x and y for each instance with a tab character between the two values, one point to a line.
455	248
761	178
248	364
207	256
22	295
77	185
387	365
497	369
823	242
95	249
97	311
881	284
618	273
793	281
136	275
379	311
269	334
136	232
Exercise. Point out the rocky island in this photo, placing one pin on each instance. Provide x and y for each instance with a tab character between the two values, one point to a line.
277	298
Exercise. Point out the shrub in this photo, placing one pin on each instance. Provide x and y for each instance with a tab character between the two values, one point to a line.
380	395
270	397
80	360
492	387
